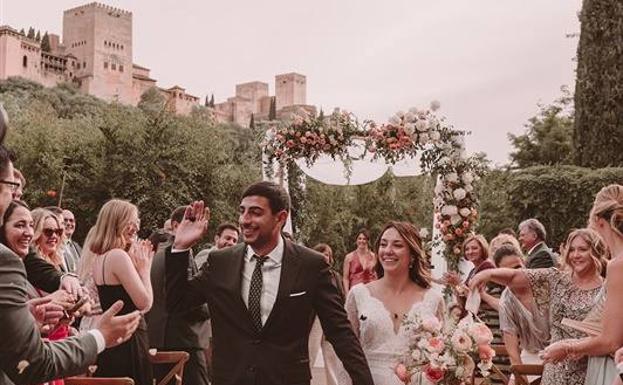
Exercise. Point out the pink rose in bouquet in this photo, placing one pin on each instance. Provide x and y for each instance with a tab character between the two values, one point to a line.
402	373
480	333
433	374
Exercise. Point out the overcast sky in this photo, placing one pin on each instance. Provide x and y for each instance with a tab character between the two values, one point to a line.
488	62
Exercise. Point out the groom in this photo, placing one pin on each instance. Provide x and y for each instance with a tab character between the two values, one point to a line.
263	295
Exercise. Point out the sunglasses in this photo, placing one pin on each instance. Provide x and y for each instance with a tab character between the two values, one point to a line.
48	232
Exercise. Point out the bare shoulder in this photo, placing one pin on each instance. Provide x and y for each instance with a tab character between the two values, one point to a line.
116	258
348	257
615	270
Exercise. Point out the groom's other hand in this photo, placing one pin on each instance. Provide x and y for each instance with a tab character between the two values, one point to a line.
193	227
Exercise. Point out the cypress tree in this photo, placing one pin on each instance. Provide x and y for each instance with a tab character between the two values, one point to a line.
22	32
598	129
31	33
272	112
38	36
207	102
212	101
252	121
45	42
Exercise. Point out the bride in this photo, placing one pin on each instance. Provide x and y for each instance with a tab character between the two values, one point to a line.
376	309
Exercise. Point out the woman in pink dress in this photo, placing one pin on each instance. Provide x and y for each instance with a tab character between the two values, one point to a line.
360	264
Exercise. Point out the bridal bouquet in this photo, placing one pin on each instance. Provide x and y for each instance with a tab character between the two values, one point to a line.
445	356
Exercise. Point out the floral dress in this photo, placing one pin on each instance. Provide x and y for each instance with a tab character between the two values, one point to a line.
554	292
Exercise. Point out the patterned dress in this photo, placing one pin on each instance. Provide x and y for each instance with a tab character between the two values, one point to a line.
554	291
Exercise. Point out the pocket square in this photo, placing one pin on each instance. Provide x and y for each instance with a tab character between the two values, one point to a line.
298	294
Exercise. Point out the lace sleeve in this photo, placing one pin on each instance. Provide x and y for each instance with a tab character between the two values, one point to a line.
540	282
351	310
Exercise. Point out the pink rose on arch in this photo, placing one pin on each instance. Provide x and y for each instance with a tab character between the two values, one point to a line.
402	373
458	232
290	143
466	224
481	333
432	374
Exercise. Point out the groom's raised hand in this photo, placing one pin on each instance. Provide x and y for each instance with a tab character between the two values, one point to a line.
193	227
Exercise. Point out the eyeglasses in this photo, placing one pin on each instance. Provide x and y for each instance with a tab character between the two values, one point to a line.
48	232
13	185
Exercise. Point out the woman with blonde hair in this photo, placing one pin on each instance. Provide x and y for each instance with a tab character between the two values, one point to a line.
120	265
48	238
606	218
569	292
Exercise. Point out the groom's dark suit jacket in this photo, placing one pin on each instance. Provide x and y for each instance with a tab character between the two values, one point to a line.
277	354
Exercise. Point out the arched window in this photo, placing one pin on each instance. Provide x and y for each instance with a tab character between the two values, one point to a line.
25	61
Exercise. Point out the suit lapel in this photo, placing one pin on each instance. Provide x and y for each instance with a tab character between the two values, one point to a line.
290	269
235	283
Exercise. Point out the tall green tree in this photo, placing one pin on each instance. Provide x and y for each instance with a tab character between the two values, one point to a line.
212	101
22	32
252	121
598	131
45	42
31	33
38	36
548	137
272	111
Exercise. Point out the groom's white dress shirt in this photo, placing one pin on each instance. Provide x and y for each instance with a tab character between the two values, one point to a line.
271	274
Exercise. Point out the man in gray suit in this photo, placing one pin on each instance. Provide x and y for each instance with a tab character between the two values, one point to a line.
72	250
188	331
532	237
24	357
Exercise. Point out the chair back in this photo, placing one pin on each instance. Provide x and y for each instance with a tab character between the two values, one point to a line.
178	359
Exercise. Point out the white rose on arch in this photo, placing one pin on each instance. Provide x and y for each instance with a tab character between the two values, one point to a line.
469	188
449	210
435	136
409	128
456	219
423	138
467	177
421	125
452	177
465	212
423	233
459	194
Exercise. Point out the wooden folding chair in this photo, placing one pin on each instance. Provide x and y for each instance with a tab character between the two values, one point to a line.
520	371
98	381
178	359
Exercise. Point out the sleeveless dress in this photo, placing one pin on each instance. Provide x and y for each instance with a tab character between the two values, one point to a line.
380	343
601	370
357	274
554	293
131	358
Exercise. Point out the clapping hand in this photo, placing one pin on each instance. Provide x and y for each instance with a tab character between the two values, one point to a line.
193	227
142	255
45	312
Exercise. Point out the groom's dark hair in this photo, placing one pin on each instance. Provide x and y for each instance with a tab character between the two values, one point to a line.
277	196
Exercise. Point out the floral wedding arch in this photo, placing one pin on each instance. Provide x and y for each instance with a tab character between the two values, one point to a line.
441	149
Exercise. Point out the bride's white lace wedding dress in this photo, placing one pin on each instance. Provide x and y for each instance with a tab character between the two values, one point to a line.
381	343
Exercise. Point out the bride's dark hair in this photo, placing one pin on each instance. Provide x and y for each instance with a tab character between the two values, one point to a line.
419	268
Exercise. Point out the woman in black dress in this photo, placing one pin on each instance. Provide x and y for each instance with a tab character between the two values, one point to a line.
121	266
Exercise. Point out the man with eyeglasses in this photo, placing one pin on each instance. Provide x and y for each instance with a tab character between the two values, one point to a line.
71	250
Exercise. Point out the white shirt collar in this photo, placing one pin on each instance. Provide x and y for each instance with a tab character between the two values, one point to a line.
275	254
534	247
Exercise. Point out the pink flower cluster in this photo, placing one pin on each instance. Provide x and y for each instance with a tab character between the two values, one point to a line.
445	356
